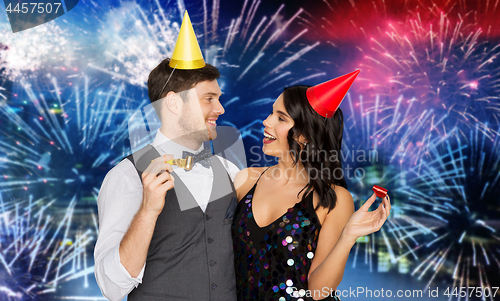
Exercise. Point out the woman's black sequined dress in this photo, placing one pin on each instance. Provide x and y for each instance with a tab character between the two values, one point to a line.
272	262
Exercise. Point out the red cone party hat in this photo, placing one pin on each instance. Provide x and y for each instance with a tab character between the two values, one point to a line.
325	98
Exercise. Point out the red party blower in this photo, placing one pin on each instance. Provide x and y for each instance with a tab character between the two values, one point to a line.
379	191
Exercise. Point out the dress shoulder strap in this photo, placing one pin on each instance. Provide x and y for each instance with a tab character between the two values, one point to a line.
262	174
255	185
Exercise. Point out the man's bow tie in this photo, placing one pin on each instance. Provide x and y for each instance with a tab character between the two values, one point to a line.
203	157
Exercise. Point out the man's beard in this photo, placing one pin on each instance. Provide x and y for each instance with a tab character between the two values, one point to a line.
193	132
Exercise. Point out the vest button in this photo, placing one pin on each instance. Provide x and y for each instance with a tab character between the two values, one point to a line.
214	286
210	240
212	263
207	217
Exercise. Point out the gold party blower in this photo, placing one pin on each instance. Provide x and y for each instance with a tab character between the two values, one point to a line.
187	163
182	163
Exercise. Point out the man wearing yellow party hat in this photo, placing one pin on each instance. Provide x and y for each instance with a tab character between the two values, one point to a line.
157	240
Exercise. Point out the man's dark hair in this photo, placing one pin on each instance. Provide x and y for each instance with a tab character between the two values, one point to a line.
181	80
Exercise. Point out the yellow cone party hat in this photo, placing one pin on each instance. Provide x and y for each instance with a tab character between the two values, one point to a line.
187	53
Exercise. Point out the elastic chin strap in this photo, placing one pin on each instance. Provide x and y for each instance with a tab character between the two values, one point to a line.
168	79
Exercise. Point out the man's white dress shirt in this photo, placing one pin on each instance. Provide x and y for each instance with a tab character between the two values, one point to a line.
119	200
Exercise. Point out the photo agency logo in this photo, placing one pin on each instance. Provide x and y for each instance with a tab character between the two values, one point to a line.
27	14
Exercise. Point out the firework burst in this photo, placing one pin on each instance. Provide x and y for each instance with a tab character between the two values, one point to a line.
59	142
26	53
38	253
447	222
142	35
84	126
258	55
437	74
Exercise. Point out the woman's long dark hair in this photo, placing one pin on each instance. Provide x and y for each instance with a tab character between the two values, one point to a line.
321	156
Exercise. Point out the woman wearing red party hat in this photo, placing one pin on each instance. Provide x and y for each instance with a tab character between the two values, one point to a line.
295	222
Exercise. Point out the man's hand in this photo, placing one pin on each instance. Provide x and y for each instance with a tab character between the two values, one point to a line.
155	185
135	243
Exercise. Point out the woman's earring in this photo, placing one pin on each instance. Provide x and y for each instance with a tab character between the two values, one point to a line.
304	143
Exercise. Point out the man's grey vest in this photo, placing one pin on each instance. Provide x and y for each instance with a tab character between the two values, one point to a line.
191	253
